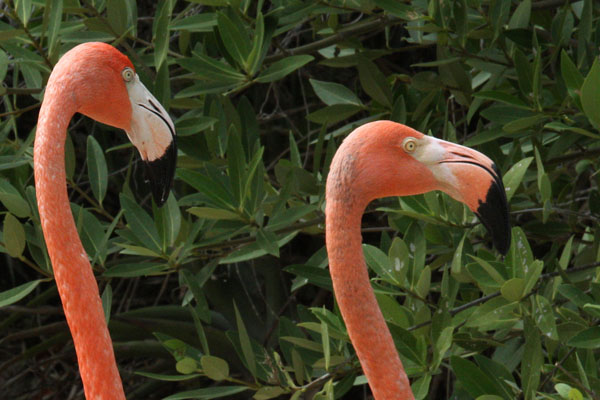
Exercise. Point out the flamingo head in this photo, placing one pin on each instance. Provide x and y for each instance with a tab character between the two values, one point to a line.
384	158
103	85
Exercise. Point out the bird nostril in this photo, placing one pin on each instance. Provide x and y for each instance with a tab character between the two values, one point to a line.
460	154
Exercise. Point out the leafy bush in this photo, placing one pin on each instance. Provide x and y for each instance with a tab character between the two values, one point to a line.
225	289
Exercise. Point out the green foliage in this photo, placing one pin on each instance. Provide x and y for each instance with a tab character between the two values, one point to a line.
224	291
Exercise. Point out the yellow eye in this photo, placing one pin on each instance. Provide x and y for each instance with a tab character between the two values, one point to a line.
127	74
409	145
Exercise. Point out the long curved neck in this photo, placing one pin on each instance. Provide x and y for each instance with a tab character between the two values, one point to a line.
366	327
72	271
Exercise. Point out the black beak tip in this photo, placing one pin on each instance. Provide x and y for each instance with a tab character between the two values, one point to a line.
160	173
493	213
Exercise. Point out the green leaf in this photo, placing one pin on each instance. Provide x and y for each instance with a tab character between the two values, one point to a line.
14	236
160	30
267	241
216	3
437	63
532	273
531	365
472	378
379	262
374	82
215	368
116	11
421	387
252	187
490	270
545	187
53	22
398	256
512	289
396	8
544	317
520	18
457	266
566	391
234	38
288	216
203	22
186	365
575	295
424	283
442	345
107	302
524	72
298	366
589	94
167	378
523	123
169	221
304	343
283	67
254	58
208	393
513	177
140	223
560	127
520	255
4	61
565	256
207	68
214	213
332	93
570	74
97	170
236	163
325	343
24	10
254	250
196	285
586	339
245	342
269	392
15	294
497	312
502	97
218	194
562	27
133	270
12	200
333	114
315	276
137	250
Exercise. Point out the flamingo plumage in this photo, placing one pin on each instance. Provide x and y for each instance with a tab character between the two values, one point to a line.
96	80
383	159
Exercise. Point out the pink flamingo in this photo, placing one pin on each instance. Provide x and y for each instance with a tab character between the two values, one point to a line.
96	80
382	159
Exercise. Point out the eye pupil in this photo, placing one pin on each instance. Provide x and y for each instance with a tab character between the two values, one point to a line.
127	74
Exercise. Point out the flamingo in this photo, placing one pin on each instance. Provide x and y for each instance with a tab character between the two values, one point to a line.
96	80
382	159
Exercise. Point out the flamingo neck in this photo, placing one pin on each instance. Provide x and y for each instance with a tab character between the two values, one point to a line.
72	271
367	329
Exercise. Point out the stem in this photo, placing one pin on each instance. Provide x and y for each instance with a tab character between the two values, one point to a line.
379	22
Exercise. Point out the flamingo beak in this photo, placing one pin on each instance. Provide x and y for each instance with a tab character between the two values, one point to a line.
472	178
152	132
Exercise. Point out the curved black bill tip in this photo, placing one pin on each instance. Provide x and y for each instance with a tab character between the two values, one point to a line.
493	213
160	173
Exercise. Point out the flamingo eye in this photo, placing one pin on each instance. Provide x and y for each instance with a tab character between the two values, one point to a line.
127	74
409	145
